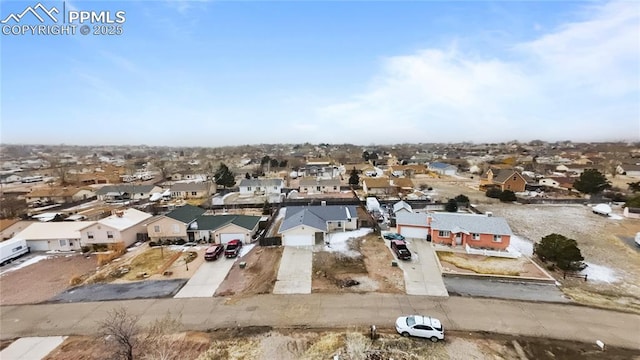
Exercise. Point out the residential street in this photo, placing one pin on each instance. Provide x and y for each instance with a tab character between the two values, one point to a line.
560	321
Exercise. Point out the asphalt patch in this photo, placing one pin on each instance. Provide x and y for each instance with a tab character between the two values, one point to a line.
149	289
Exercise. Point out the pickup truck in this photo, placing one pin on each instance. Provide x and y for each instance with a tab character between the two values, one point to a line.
233	248
400	248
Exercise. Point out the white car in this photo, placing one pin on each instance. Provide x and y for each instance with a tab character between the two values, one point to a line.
638	238
420	326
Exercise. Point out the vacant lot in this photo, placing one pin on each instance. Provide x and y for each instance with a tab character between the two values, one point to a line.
477	264
40	281
614	271
370	267
287	344
258	277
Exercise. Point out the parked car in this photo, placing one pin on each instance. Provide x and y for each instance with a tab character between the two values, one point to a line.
420	326
233	248
393	236
400	248
213	252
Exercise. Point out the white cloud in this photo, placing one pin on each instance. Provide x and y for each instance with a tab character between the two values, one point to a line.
572	83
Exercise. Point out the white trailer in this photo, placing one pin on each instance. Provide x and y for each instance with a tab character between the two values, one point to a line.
12	249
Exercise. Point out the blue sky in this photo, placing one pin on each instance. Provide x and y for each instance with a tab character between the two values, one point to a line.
207	73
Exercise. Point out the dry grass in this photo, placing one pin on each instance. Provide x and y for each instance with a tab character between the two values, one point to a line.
150	262
603	299
236	349
327	345
482	264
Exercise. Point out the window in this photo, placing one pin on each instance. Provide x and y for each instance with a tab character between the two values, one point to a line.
497	238
156	228
339	224
475	236
194	193
109	234
318	188
90	234
275	188
63	242
444	233
335	188
176	228
514	178
248	188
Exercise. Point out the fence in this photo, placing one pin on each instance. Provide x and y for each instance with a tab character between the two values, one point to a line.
495	253
270	241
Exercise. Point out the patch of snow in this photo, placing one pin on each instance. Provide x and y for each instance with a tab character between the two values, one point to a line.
26	263
281	213
520	245
599	273
183	248
615	217
339	242
245	249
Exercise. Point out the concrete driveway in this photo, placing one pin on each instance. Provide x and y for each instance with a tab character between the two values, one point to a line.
421	274
294	274
207	278
31	348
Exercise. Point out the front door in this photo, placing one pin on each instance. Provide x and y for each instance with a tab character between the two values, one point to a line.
459	239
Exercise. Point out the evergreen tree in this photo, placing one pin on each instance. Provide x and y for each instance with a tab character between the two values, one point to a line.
591	181
224	177
354	179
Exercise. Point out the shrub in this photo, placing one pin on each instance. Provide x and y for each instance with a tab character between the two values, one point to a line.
153	244
180	242
462	199
451	205
507	196
493	193
561	251
85	249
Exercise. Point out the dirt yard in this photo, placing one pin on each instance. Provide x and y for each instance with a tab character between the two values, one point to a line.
41	281
263	343
258	277
335	272
477	264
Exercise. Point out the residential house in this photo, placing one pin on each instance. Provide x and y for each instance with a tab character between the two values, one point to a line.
221	229
319	186
123	226
10	178
251	187
309	225
58	195
174	225
477	231
192	190
505	179
558	182
112	193
405	185
53	236
402	206
378	186
10	227
443	168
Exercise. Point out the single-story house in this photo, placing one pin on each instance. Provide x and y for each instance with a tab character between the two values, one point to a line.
319	186
250	187
478	231
402	206
223	228
123	226
126	192
629	169
174	225
192	190
378	186
53	236
59	195
309	225
505	179
10	227
443	168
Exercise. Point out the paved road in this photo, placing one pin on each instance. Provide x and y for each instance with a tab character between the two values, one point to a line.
630	241
207	278
559	321
31	348
149	289
504	289
294	274
422	275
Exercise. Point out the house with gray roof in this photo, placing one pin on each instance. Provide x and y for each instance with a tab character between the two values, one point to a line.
124	192
193	190
309	225
175	224
455	229
443	168
221	229
251	187
312	185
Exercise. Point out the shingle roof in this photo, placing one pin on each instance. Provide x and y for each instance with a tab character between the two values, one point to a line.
501	175
186	213
382	182
129	218
401	205
53	230
261	182
310	181
440	165
190	186
416	219
316	216
121	189
213	222
470	223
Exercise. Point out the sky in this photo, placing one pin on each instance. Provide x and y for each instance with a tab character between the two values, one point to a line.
218	73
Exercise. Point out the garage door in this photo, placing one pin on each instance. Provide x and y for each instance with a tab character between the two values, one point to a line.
38	245
413	232
297	240
225	238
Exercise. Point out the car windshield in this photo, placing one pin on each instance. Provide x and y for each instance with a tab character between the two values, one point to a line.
231	246
411	321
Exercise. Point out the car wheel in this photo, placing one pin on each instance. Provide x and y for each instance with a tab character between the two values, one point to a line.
434	339
405	334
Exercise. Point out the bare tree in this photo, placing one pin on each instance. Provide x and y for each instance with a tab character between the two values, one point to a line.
121	329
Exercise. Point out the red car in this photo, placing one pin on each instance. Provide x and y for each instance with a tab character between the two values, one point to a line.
233	248
213	252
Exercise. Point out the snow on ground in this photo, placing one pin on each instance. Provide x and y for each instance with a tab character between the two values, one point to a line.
599	273
281	213
183	248
521	245
245	249
26	263
615	217
339	242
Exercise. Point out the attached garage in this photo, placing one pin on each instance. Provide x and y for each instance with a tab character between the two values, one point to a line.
225	238
413	232
298	240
